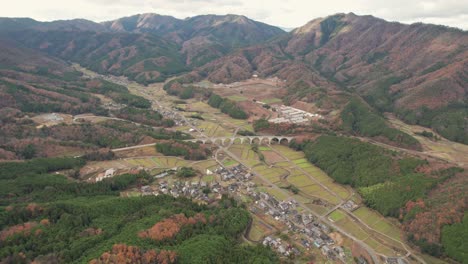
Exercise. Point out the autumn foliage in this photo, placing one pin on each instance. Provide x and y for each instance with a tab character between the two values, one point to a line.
121	254
170	227
17	229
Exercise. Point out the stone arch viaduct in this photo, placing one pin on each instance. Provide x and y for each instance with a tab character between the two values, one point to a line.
266	140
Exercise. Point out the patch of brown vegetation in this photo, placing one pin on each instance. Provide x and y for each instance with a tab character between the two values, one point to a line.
24	229
169	227
445	205
122	253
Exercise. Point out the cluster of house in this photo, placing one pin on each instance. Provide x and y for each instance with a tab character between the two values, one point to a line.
200	191
239	173
280	247
314	232
236	178
174	115
288	114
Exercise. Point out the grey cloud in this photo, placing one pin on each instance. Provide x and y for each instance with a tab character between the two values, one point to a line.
286	13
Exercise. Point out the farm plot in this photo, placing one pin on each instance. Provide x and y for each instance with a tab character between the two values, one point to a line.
237	98
377	222
300	180
319	192
337	215
272	174
283	164
229	162
272	157
288	152
259	229
351	227
278	194
317	173
171	162
272	100
246	154
204	165
213	130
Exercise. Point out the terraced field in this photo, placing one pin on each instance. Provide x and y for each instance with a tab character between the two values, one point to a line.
204	165
246	154
272	174
377	222
372	239
337	215
213	130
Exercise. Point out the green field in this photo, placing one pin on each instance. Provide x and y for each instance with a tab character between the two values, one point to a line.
272	100
237	98
300	180
272	174
204	165
229	162
300	161
208	178
263	148
337	215
288	152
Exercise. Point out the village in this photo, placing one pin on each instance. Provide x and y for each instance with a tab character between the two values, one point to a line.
236	182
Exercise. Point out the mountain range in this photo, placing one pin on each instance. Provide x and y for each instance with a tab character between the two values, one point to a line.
418	71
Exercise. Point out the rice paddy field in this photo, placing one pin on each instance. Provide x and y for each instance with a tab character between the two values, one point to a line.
272	174
214	130
337	215
245	153
229	162
288	152
204	165
371	238
377	222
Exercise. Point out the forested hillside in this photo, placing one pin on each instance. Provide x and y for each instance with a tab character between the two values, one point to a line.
360	119
424	199
55	220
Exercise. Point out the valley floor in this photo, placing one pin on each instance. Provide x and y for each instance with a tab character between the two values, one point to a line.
282	177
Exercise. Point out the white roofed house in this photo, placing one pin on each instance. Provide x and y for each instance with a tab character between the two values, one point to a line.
109	173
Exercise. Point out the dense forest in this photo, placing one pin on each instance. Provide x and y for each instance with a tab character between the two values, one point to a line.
188	150
454	240
49	218
360	119
227	106
449	121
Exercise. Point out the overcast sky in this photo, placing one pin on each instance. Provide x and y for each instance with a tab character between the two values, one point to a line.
284	13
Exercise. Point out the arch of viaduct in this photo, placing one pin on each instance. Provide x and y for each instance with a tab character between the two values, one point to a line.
249	139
